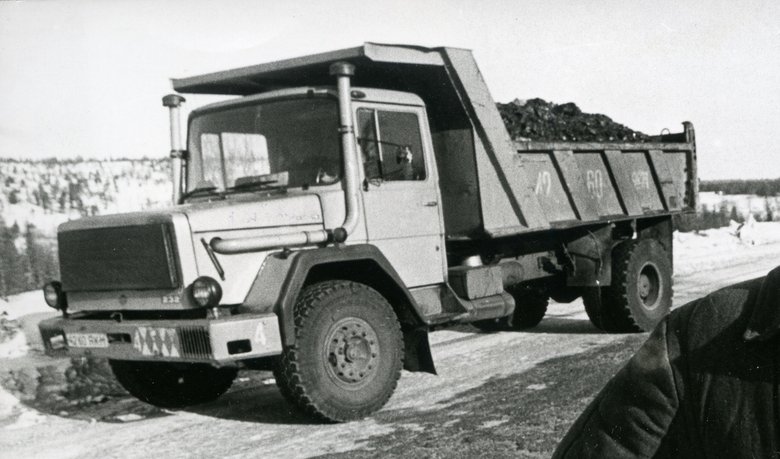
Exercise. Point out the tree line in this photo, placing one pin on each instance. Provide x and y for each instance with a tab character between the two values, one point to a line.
760	187
27	260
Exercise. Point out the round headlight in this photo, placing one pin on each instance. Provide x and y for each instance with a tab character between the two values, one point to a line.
206	292
52	293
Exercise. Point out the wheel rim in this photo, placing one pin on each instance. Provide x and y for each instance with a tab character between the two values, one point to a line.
352	352
649	286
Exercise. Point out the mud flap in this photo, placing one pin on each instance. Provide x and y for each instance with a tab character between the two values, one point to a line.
417	351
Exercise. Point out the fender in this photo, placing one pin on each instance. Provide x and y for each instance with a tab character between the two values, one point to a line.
283	275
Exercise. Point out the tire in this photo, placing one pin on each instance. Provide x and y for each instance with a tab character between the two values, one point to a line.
641	291
530	308
172	385
348	352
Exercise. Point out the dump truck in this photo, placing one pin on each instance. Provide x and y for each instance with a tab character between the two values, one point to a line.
342	206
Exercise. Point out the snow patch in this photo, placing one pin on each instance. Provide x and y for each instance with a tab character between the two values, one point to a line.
130	417
14	347
26	419
493	423
536	387
24	304
8	404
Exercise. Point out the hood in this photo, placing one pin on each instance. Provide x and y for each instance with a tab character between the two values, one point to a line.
223	215
271	211
764	322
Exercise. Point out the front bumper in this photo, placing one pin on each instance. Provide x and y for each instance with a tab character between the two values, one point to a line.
221	340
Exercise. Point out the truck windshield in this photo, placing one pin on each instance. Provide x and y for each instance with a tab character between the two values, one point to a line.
291	143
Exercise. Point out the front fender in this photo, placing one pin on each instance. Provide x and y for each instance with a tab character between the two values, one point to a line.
283	275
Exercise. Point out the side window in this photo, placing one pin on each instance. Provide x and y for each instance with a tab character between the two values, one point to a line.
390	145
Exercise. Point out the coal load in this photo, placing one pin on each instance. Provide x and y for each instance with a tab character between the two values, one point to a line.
539	120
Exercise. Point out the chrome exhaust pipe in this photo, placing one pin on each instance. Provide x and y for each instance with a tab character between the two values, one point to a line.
178	154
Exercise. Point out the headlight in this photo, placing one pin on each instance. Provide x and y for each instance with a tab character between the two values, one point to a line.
54	296
206	292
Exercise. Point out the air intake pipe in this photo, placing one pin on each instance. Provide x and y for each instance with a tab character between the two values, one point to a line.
343	71
178	154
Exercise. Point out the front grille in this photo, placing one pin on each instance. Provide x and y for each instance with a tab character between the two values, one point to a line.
195	342
139	257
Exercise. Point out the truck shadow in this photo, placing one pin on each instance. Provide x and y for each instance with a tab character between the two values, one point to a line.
258	403
253	398
563	325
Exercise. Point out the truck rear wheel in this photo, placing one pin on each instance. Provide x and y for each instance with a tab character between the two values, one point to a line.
641	291
348	352
172	385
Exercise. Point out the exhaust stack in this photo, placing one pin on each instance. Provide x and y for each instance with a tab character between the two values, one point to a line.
178	154
343	71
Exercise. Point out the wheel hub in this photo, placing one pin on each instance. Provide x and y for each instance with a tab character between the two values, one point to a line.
649	286
352	351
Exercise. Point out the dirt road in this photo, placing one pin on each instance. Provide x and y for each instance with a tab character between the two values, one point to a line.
501	394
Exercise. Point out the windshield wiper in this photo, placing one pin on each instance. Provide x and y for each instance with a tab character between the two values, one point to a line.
253	183
277	180
258	185
205	191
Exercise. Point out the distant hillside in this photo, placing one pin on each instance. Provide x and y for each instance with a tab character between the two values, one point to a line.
46	193
36	196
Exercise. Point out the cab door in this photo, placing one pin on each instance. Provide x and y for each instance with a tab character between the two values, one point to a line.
401	200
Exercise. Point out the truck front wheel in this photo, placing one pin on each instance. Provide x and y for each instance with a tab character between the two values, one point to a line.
641	291
348	352
172	385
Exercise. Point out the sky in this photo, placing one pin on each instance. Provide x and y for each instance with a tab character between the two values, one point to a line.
85	78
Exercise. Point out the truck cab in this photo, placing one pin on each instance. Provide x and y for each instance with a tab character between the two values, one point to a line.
339	209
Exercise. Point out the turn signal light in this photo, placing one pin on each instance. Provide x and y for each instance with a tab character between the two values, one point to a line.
206	292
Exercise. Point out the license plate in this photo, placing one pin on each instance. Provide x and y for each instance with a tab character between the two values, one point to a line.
87	340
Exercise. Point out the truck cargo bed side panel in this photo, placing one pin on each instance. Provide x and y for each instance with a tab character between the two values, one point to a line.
549	187
666	180
625	187
599	183
585	205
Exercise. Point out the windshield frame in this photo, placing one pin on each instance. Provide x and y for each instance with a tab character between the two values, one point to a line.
256	101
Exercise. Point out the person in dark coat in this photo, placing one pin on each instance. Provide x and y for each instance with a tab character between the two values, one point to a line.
704	384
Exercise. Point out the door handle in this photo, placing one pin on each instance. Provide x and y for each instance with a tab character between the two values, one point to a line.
431	204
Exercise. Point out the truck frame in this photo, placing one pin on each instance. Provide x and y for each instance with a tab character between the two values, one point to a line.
340	208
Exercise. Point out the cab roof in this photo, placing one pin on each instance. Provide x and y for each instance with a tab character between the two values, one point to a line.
377	65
